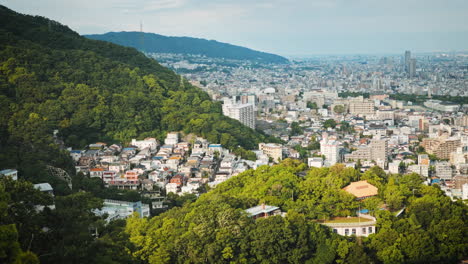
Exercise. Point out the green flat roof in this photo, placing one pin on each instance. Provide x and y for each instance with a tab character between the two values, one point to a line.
347	220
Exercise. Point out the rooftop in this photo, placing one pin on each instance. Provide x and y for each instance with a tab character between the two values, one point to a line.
361	189
261	209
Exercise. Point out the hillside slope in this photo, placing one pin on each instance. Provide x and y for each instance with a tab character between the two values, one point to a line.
155	43
52	78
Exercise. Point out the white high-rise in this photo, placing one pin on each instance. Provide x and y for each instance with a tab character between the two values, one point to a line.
331	150
243	112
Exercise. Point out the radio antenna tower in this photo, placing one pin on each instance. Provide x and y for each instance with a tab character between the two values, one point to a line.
142	37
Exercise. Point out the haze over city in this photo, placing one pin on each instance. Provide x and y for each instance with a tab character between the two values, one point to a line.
283	27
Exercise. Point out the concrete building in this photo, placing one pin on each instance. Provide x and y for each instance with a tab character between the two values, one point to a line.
363	225
315	162
412	68
122	209
172	138
150	143
245	113
465	191
377	150
441	147
361	107
331	150
443	170
272	150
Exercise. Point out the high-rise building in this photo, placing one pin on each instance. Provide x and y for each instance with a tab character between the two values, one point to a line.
412	68
331	150
407	60
245	113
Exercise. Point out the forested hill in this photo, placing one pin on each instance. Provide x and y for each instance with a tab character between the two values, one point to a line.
52	78
150	42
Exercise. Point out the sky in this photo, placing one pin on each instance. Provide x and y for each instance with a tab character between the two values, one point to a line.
285	27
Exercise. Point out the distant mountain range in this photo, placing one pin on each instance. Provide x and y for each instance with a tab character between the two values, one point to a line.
155	43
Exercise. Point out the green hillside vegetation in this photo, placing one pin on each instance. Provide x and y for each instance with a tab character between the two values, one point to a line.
52	78
215	228
155	43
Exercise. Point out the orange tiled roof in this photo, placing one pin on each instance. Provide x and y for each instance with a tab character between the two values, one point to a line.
361	189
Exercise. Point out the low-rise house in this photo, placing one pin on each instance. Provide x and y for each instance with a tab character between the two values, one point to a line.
191	187
108	176
150	143
147	185
315	162
9	173
45	188
263	211
172	188
96	173
76	154
119	166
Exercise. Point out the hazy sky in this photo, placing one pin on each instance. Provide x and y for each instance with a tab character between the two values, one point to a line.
286	27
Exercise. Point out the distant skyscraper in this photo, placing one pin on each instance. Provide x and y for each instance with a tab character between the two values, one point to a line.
412	68
407	60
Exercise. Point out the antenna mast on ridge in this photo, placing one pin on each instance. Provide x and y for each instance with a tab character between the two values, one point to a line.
142	38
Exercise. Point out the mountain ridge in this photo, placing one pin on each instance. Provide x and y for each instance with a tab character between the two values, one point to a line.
52	78
156	43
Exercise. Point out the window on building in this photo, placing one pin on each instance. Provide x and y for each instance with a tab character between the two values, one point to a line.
346	232
353	231
364	230
370	229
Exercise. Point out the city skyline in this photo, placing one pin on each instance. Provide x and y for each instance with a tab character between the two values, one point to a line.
283	27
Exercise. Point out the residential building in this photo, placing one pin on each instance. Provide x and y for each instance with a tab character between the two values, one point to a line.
9	173
443	170
441	147
263	211
315	162
272	150
121	209
245	113
149	143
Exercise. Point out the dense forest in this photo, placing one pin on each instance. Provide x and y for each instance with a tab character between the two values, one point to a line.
216	229
53	79
155	43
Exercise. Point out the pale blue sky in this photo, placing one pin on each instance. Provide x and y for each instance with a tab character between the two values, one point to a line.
285	27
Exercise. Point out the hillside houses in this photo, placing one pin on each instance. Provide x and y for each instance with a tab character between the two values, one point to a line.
176	166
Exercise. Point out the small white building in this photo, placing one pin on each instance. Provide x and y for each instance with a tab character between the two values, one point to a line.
363	225
121	209
172	138
465	191
10	173
150	143
172	188
315	162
